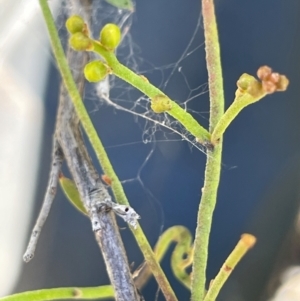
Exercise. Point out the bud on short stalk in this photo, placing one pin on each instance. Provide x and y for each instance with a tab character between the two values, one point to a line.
95	71
75	24
80	42
110	36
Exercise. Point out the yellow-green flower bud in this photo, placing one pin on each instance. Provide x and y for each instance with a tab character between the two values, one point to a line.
110	36
95	71
161	103
80	42
75	24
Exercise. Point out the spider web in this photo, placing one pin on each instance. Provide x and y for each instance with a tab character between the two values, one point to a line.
121	98
139	107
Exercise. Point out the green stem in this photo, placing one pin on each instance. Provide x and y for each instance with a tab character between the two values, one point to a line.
139	82
249	91
213	62
78	293
235	108
246	242
138	233
213	164
67	77
99	149
204	222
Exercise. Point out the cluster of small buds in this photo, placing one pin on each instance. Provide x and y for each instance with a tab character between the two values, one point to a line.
109	38
269	83
78	29
110	35
272	81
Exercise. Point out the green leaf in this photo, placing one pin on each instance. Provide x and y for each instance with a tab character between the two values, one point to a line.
122	4
71	192
69	293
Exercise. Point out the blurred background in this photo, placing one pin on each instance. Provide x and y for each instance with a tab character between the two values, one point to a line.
162	173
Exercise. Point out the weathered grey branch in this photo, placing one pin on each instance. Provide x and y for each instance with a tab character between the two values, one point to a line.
87	180
57	159
68	138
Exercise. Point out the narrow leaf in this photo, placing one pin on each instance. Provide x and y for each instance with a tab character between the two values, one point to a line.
71	192
122	4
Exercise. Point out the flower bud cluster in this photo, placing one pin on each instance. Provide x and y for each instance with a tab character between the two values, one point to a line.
272	81
269	83
79	39
110	37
